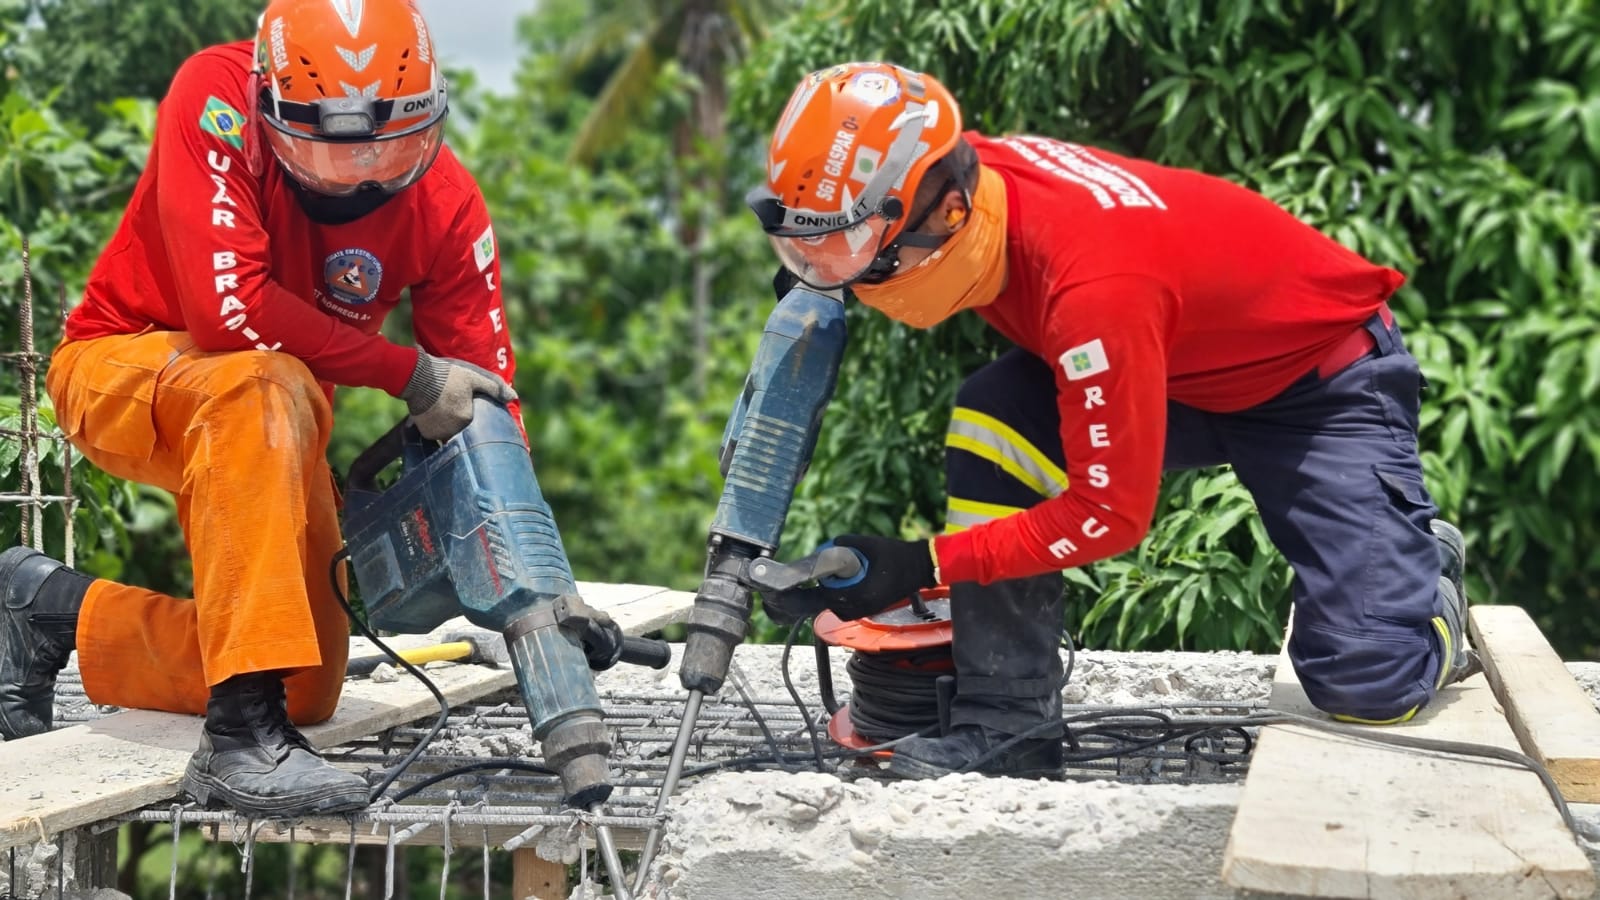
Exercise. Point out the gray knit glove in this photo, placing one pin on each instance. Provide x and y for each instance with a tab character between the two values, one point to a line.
439	394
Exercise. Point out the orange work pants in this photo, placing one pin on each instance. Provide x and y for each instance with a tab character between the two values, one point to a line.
240	439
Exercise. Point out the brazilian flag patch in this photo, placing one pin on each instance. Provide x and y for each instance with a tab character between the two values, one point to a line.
223	121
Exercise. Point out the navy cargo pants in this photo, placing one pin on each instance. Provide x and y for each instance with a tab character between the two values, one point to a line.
1333	467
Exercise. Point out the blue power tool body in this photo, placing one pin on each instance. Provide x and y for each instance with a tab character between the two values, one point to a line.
465	531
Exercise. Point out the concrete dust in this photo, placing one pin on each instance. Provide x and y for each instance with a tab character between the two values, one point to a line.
1130	679
1099	677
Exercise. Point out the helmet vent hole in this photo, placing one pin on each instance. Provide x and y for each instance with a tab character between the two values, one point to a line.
304	61
405	54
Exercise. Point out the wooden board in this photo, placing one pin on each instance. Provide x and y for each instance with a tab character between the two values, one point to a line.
91	772
638	608
1551	714
80	775
533	876
1330	816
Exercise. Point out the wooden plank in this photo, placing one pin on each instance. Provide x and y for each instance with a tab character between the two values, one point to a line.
80	775
88	773
639	611
535	878
1551	714
1324	815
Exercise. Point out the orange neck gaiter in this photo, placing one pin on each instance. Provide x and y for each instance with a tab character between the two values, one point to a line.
968	271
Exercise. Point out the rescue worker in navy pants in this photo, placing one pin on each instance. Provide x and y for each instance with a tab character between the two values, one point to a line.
1163	319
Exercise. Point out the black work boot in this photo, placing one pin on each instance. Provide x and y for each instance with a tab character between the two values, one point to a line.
1008	681
38	632
253	759
1462	661
976	748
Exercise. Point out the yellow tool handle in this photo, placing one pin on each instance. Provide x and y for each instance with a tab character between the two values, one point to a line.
453	650
363	665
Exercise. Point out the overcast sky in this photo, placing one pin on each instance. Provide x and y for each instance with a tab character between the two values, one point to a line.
478	34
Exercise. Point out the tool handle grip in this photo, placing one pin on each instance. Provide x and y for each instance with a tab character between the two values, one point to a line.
640	651
363	474
365	665
844	566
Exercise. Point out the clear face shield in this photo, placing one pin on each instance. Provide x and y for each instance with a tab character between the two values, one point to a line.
347	155
824	250
829	250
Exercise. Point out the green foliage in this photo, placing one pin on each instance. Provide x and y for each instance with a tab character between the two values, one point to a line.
213	868
77	111
62	188
1456	140
93	50
623	411
109	512
1197	583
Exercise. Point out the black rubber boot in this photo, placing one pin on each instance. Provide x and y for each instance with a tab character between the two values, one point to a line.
1463	661
252	759
1007	650
975	748
38	632
1006	644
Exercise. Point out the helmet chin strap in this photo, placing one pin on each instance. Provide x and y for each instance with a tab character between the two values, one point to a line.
326	210
887	263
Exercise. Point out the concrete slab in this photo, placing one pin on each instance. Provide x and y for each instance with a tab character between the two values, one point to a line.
807	836
735	835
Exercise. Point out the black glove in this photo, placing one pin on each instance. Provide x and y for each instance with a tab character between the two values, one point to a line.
602	641
894	570
439	394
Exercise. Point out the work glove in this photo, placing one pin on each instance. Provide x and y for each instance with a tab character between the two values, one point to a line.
893	570
439	394
602	641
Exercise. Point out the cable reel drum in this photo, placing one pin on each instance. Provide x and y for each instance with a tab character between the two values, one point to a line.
902	671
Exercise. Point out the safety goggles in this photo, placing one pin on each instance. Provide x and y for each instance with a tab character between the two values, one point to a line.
829	250
347	154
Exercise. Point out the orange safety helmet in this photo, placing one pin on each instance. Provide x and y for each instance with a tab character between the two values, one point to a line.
350	93
843	169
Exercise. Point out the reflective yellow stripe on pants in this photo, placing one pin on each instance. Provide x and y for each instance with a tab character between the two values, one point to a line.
990	439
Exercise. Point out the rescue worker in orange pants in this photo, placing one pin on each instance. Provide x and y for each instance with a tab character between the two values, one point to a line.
1163	319
296	186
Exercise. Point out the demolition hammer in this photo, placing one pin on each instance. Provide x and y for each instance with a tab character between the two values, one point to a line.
766	447
465	530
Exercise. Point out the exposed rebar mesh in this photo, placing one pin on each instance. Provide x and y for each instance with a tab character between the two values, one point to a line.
494	737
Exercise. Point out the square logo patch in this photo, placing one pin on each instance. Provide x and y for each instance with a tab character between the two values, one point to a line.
1085	360
483	249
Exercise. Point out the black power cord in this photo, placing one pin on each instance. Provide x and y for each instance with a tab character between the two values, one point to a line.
444	705
1162	728
895	693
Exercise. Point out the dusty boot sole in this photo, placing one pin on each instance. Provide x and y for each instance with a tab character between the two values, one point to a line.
209	791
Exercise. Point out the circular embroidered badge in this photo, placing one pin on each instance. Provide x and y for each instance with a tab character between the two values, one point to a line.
352	276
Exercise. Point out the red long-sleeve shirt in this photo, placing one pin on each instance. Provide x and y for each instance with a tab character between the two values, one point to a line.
1141	283
214	243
